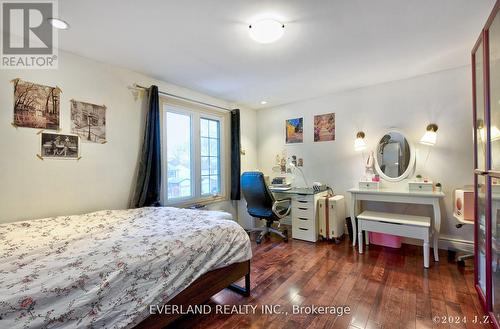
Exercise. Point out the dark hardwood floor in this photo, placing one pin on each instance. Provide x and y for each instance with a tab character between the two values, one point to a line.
384	288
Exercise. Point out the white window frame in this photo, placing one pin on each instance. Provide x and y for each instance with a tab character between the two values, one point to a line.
196	112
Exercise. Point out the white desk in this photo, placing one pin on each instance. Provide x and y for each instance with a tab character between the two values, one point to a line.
399	196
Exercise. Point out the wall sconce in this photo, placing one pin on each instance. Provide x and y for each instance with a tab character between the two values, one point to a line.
359	142
430	135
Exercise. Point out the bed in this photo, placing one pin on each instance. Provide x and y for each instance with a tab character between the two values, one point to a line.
106	268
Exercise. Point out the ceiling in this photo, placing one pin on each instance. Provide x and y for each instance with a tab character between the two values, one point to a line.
328	45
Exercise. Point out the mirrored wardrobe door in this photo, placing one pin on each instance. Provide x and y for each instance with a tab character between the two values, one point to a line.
480	136
480	125
494	118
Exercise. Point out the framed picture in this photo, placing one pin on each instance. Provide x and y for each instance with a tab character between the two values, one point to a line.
294	130
88	121
59	146
36	106
324	127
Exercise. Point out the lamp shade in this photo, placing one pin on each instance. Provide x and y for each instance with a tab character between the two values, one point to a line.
494	133
359	142
430	136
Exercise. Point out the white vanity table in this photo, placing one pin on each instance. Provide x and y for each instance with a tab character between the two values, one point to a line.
394	160
399	196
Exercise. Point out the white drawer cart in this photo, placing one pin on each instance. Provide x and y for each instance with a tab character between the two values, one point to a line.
304	214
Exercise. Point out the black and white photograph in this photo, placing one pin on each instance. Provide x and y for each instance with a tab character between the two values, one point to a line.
36	106
88	121
60	146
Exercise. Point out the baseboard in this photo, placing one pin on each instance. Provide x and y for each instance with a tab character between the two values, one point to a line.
450	243
447	243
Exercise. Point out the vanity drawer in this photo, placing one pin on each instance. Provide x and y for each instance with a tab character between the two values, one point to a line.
423	187
369	185
303	233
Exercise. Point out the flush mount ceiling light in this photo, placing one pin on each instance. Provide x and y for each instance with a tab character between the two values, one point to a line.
430	135
266	30
58	23
263	102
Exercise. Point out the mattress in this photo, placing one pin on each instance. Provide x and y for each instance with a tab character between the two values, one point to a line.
105	268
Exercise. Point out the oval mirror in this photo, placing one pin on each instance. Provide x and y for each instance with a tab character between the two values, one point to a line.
395	156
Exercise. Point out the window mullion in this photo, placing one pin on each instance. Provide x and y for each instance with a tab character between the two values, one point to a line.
164	152
196	156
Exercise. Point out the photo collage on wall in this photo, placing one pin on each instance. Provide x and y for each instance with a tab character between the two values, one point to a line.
38	106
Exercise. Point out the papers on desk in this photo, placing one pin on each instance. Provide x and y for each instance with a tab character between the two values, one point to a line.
280	188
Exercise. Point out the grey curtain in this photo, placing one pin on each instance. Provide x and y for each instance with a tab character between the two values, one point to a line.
148	186
235	155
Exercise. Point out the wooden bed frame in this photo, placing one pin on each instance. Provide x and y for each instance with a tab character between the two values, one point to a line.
201	290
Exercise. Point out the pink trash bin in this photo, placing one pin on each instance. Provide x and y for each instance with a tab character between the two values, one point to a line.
386	240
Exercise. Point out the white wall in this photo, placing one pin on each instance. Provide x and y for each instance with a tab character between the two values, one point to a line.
409	105
248	163
103	178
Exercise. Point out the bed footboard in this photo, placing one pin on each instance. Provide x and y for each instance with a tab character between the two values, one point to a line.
201	290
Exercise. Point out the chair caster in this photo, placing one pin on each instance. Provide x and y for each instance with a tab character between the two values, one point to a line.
285	233
258	241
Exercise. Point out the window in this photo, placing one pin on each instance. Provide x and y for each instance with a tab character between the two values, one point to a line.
210	158
194	152
179	167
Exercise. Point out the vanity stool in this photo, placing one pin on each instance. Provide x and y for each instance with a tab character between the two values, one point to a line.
409	226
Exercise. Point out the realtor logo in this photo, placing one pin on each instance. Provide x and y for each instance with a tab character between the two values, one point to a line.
28	38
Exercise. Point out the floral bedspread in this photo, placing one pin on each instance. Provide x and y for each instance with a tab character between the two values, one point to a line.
104	269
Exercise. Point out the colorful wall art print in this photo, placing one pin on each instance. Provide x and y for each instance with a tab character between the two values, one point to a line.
88	121
294	130
59	146
36	106
324	127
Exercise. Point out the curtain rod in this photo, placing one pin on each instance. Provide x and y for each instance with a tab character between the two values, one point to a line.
184	98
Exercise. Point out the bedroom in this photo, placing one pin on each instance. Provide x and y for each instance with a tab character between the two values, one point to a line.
332	163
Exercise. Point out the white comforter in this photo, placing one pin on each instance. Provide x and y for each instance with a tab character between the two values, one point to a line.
104	269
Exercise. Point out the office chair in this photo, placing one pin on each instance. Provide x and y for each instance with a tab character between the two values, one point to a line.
462	258
461	204
261	204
